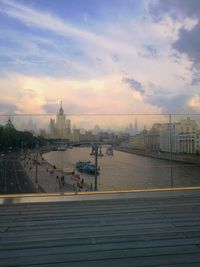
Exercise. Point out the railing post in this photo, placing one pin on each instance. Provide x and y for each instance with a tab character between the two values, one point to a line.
36	166
96	164
170	144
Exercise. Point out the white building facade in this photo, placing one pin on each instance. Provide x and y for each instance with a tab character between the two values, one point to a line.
181	137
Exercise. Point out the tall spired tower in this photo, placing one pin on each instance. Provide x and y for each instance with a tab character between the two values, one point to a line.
60	128
60	123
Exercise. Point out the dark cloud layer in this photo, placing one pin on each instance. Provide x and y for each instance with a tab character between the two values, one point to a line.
171	104
189	40
175	8
189	43
134	85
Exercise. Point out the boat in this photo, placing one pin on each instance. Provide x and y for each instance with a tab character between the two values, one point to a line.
61	148
86	166
109	151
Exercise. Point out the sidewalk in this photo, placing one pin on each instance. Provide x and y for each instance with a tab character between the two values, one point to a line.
49	179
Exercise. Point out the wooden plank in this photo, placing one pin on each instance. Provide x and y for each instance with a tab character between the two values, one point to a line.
90	223
136	232
58	241
118	263
87	230
55	235
77	256
192	260
67	247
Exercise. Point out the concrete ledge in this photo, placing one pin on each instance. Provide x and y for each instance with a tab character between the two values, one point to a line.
103	195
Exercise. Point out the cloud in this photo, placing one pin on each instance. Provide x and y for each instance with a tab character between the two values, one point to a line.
96	67
188	39
40	94
9	107
177	7
194	102
149	52
47	21
189	43
135	85
172	104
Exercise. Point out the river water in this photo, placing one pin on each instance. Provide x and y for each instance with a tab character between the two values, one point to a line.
128	171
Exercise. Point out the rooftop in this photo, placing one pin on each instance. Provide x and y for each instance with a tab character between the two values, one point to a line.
132	228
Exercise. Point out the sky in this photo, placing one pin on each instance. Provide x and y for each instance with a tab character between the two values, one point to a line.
108	56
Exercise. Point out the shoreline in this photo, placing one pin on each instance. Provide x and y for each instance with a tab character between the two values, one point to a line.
47	175
193	159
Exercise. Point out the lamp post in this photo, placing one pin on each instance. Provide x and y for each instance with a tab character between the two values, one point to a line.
95	147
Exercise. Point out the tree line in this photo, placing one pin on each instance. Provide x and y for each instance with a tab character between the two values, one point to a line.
10	138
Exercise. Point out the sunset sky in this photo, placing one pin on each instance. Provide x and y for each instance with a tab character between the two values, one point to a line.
108	56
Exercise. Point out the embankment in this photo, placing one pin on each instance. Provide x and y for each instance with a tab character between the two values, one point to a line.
194	159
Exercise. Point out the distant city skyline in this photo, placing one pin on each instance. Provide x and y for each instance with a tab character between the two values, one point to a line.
100	56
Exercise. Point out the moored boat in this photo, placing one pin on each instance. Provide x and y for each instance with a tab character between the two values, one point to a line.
109	151
86	166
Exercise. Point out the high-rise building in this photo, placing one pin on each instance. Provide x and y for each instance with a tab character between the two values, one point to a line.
60	128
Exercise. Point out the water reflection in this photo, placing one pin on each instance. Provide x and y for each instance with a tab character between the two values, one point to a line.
128	171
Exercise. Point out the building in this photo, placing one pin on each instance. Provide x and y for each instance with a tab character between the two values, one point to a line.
30	126
188	138
153	137
169	137
60	127
76	135
177	137
132	130
139	141
184	137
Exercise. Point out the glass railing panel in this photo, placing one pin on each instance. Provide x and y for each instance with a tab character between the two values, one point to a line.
58	153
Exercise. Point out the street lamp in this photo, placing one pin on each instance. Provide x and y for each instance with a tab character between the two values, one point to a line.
96	148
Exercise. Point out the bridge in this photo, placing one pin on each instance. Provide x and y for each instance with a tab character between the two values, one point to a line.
67	143
129	228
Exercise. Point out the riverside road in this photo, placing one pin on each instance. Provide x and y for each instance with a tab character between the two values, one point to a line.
13	179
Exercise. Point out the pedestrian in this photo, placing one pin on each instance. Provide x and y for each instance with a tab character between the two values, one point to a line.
60	183
77	187
57	182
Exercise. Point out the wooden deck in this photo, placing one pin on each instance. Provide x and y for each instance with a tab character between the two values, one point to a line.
139	231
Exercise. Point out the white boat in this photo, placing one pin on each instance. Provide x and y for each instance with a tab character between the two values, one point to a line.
61	148
109	151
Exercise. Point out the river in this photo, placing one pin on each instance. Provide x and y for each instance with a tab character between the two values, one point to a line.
128	171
